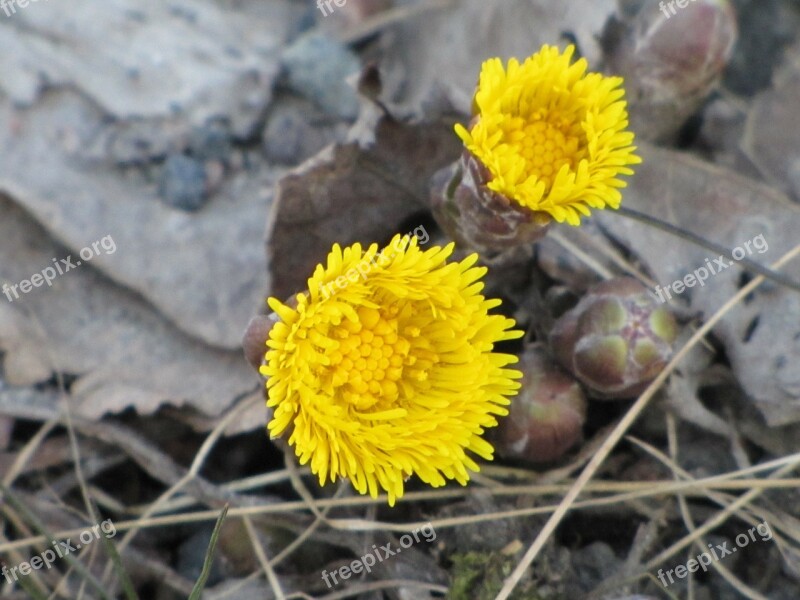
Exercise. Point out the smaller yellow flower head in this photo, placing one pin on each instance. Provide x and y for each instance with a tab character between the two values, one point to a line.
552	136
385	368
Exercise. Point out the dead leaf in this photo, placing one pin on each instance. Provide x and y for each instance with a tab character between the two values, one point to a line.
772	139
353	192
180	61
123	352
203	270
119	83
762	335
442	51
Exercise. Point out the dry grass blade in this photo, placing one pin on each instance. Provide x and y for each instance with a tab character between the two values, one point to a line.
300	540
119	569
15	556
35	592
718	519
725	500
239	485
688	520
377	586
590	262
197	463
27	452
263	560
634	491
116	562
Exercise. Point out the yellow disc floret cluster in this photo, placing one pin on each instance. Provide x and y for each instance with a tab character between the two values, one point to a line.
552	136
394	374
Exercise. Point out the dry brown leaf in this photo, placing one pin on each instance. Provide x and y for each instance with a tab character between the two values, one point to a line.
203	270
353	192
121	82
772	138
442	51
124	353
178	62
762	335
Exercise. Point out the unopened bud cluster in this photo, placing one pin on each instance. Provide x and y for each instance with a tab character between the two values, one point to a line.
616	340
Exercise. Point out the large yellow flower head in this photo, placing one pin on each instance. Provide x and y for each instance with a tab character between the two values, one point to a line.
385	367
552	136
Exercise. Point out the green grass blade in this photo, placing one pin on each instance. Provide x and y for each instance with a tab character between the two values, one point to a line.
27	585
201	582
124	579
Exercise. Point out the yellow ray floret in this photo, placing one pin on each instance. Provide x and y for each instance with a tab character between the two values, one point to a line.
553	137
386	368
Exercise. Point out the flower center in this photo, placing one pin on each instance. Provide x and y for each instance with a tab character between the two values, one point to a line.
375	355
546	143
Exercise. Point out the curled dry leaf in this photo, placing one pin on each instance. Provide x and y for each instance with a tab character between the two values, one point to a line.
440	52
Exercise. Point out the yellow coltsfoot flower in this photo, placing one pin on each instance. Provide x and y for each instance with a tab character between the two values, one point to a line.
548	141
552	136
385	368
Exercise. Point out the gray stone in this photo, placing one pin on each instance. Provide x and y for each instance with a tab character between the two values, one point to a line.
183	183
594	564
316	67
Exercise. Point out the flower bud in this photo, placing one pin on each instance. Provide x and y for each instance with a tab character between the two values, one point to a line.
475	216
671	59
616	340
546	418
254	341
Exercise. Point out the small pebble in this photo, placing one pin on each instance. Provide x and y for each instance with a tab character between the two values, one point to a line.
183	183
210	142
295	131
317	67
